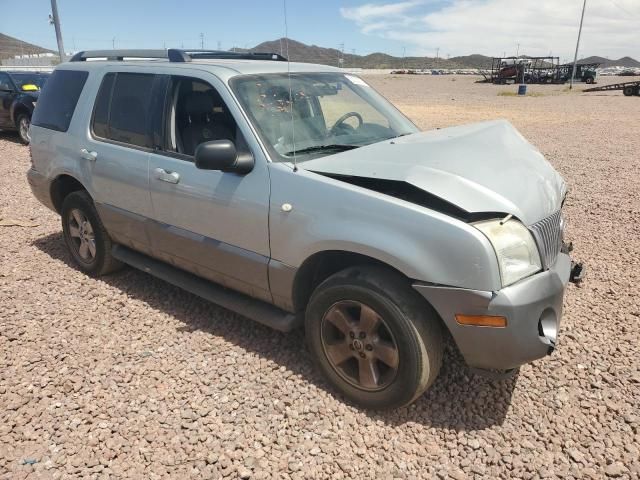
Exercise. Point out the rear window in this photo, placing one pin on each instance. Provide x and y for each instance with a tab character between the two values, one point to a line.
122	108
58	99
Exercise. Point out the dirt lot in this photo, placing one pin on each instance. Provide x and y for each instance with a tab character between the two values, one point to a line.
131	377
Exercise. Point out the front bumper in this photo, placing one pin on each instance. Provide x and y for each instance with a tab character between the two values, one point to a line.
532	307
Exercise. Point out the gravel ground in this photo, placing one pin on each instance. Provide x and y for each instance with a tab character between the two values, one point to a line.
128	377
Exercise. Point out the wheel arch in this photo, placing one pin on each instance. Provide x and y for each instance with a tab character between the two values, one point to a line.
321	265
18	108
61	187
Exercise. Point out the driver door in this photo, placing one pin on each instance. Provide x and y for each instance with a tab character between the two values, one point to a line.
7	94
212	223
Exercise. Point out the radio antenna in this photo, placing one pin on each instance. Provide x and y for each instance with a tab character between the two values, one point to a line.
293	124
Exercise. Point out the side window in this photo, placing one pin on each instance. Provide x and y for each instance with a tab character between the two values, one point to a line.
122	108
100	122
58	99
197	114
129	113
5	83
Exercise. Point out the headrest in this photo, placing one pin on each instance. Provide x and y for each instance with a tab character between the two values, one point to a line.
198	103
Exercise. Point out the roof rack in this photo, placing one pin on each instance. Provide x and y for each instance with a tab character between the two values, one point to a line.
175	55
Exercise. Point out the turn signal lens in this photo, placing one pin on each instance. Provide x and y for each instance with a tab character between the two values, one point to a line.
482	320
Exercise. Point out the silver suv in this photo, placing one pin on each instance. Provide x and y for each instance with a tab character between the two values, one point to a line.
295	194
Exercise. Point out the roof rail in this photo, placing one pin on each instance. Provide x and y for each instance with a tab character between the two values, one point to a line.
175	55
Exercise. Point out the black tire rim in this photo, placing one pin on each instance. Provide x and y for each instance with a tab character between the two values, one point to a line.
359	345
81	236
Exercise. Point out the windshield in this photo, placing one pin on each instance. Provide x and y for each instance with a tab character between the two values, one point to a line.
22	79
332	112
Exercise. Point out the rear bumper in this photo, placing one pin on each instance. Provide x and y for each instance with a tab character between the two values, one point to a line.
40	187
532	307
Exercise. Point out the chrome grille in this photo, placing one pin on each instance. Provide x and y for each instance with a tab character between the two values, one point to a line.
548	235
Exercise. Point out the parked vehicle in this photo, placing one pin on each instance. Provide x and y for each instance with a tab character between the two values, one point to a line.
18	96
628	89
585	72
296	194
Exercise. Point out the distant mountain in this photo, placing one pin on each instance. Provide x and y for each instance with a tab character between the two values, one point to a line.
10	47
627	62
300	52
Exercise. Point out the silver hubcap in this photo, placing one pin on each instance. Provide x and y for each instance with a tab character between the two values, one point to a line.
24	128
81	233
359	345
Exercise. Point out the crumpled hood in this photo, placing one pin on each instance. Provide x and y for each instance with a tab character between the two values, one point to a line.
482	167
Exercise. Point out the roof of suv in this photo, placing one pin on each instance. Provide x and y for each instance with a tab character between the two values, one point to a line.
223	68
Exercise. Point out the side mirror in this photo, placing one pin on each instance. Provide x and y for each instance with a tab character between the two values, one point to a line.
222	155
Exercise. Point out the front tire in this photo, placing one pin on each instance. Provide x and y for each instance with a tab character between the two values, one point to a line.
23	123
85	235
373	337
628	91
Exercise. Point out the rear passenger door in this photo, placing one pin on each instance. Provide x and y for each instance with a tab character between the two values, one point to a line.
118	146
212	223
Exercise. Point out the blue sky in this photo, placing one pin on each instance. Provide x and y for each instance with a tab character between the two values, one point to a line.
455	27
152	23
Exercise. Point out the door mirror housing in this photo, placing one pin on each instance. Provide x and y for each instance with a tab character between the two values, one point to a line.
222	155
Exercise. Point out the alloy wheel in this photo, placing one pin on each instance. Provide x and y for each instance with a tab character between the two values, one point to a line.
359	345
82	236
23	127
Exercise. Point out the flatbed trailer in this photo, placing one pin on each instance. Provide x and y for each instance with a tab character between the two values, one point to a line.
628	88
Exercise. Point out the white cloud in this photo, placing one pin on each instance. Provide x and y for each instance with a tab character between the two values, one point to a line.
492	27
373	12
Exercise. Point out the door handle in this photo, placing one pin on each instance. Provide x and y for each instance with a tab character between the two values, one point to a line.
165	176
88	155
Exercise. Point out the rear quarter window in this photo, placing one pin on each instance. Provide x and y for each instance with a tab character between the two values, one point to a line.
58	99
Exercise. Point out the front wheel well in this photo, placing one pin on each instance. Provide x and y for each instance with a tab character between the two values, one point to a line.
320	266
61	187
19	109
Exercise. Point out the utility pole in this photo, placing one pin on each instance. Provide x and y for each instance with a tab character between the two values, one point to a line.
575	57
341	59
55	19
518	51
202	41
437	56
113	43
404	64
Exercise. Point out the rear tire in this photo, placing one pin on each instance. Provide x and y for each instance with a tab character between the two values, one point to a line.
23	124
85	235
373	337
638	91
628	91
589	80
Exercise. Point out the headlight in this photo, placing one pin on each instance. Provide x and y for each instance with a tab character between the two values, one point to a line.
515	248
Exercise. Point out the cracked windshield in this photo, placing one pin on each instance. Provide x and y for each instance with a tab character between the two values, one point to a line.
332	112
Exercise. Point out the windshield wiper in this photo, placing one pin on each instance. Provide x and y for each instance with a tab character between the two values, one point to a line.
320	148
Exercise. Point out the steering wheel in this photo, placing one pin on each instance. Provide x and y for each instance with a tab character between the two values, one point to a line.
343	118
